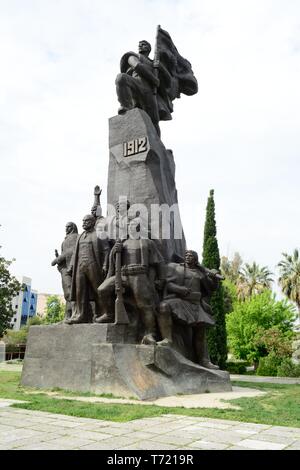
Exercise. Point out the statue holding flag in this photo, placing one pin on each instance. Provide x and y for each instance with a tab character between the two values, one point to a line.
152	85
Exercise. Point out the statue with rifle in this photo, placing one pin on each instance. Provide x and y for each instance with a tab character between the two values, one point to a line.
121	317
135	265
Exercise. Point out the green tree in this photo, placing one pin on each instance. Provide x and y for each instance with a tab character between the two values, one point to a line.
289	279
275	341
249	317
55	310
217	340
9	288
253	280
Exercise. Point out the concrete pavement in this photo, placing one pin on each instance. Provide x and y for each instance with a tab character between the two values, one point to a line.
33	430
262	379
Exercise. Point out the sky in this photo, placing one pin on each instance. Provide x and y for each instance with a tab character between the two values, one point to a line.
240	135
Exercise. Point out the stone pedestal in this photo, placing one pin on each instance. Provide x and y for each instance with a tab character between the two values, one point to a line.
143	170
149	372
61	355
102	359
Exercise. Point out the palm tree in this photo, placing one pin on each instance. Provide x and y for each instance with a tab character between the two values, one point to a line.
252	280
230	269
289	279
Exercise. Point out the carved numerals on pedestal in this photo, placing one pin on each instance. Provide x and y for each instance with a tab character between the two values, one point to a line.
134	146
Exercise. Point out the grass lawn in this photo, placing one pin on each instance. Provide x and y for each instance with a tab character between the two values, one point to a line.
281	405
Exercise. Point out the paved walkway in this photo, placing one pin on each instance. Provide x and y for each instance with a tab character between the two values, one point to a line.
270	380
33	430
11	366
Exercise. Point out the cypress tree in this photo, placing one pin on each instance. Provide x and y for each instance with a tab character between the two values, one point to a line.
217	339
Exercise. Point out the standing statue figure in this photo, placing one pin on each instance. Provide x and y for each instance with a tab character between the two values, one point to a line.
141	265
186	301
89	267
63	264
152	85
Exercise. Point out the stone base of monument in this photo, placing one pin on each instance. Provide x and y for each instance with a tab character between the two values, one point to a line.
101	359
61	355
148	372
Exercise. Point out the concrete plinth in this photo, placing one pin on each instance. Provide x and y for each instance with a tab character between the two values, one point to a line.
102	359
61	355
148	372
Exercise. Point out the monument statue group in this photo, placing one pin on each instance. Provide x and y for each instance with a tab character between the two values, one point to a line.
137	301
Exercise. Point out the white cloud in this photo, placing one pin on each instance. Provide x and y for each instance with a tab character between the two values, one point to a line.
239	135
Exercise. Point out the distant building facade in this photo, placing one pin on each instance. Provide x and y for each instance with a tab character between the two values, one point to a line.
24	304
29	303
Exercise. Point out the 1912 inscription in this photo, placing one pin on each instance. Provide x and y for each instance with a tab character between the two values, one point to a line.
134	146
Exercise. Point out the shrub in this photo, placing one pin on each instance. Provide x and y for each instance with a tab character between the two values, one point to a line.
13	338
288	369
237	367
12	348
268	365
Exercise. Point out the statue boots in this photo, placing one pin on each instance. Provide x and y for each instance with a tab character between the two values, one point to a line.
165	327
82	313
149	322
201	348
105	318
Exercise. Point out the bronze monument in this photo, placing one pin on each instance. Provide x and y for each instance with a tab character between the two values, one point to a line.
139	299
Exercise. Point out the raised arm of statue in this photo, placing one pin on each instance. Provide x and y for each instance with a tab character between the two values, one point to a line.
96	208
